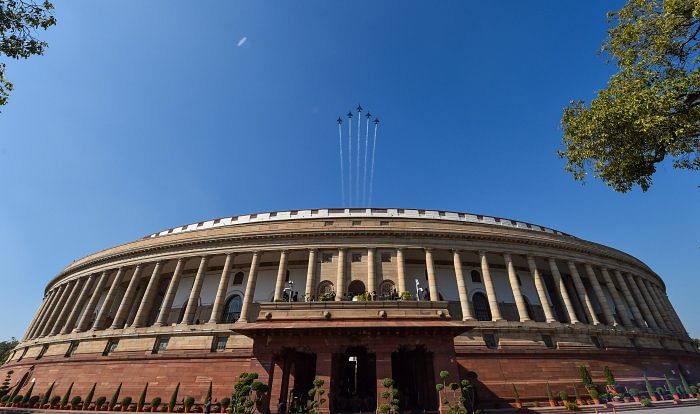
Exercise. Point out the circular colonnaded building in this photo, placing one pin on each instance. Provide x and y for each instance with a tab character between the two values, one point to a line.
279	294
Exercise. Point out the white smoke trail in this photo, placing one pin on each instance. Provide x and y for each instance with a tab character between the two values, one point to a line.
357	170
342	172
374	149
350	155
364	179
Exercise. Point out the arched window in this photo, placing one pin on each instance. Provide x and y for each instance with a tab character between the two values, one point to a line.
482	311
356	287
238	279
232	310
476	276
386	289
325	290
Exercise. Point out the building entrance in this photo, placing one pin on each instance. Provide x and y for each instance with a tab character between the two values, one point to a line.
299	370
412	370
354	381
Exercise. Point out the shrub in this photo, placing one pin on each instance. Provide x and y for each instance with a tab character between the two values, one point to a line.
142	398
155	402
126	402
634	392
88	399
207	399
661	391
550	397
35	399
693	389
17	399
585	376
66	396
75	401
28	395
189	401
609	378
173	398
564	396
670	386
55	400
47	394
576	394
684	383
594	393
571	406
646	402
225	402
100	401
115	397
647	383
515	393
5	398
315	395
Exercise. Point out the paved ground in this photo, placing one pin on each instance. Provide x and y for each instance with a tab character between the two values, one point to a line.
673	410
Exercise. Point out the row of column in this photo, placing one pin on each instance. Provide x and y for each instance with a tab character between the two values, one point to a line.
61	309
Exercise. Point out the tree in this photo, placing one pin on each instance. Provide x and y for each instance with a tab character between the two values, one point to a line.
248	394
6	347
650	109
316	395
19	22
391	401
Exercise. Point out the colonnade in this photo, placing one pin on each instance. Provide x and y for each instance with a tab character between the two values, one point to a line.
71	305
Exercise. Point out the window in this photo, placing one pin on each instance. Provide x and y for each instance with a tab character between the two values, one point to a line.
232	311
476	276
356	257
71	348
238	278
482	311
386	257
24	352
327	223
326	257
219	344
548	341
111	346
490	341
356	222
596	342
42	352
161	344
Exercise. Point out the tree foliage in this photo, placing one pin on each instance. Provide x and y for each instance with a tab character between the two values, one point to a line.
19	22
650	109
6	347
248	394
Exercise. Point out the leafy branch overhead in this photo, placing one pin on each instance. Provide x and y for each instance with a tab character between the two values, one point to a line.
650	109
19	22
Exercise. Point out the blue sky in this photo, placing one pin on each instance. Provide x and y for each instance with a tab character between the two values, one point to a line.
146	115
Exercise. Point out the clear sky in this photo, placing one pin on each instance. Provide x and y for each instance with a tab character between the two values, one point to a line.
147	115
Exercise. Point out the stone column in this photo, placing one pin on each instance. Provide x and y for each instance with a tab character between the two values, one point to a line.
250	288
601	296
661	306
193	301
400	270
663	300
39	314
127	300
87	288
462	287
167	305
310	276
371	275
541	290
67	306
630	300
220	299
651	303
675	315
490	290
340	278
281	276
432	280
583	294
141	318
92	304
109	300
642	303
43	325
515	287
621	313
568	306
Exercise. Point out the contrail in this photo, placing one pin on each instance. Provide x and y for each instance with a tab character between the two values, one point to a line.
357	170
350	154
342	172
364	179
374	148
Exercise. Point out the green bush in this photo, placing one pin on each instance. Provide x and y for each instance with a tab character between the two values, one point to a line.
661	391
66	396
225	402
585	376
5	398
594	393
550	397
126	402
609	378
155	402
47	394
564	396
646	402
35	399
100	401
189	401
115	397
634	392
55	400
173	398
17	399
571	406
91	394
142	398
693	389
75	401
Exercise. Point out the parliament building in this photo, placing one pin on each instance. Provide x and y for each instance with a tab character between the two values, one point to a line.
353	296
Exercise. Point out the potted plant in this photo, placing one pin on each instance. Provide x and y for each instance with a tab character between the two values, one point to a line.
88	398
33	402
173	399
585	376
66	396
16	400
126	402
55	402
579	401
610	383
142	399
115	398
635	394
571	406
76	403
693	391
225	402
672	389
187	403
564	397
684	383
99	403
518	404
650	389
155	403
550	397
406	296
47	395
595	396
645	402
